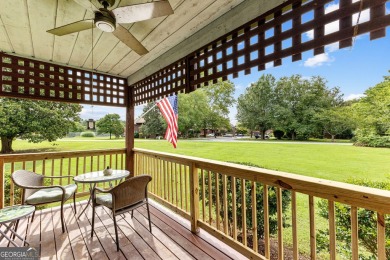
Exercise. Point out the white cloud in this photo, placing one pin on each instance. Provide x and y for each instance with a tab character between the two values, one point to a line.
353	96
97	112
318	60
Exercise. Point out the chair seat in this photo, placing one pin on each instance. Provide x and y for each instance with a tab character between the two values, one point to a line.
50	195
105	200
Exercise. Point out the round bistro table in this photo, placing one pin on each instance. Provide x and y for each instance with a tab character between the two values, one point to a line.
9	216
92	178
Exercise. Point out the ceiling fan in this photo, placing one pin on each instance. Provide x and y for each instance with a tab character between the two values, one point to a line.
108	17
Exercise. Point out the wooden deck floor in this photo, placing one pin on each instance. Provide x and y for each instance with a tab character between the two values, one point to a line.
170	238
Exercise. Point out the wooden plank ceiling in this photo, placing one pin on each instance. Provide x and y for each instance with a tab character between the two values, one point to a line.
23	26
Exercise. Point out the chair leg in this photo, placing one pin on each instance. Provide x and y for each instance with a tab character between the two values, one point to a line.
150	224
116	233
93	219
132	213
62	217
32	218
74	203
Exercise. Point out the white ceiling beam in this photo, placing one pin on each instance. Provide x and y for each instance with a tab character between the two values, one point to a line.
241	14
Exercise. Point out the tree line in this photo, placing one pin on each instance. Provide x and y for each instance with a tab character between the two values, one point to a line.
300	108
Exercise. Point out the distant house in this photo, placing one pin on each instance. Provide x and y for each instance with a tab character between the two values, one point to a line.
138	123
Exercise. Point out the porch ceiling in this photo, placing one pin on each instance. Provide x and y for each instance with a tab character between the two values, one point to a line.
23	26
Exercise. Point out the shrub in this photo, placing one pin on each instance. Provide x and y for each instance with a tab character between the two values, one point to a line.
87	134
278	134
367	226
136	135
372	141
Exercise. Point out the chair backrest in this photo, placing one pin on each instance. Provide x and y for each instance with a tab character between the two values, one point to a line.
23	178
131	191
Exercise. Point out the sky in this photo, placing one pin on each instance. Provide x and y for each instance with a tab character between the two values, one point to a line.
353	70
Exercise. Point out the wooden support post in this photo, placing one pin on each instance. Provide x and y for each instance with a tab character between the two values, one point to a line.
194	207
130	132
2	173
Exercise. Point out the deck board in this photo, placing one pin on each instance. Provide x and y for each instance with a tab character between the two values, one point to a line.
169	238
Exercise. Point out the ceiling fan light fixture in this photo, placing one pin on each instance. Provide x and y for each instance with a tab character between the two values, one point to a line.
105	23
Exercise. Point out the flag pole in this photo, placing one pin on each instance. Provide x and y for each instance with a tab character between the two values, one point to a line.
150	109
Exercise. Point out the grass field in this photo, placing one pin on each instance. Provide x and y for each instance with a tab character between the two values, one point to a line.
322	160
338	162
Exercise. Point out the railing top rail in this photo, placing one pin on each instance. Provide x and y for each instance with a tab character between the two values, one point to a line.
354	195
57	155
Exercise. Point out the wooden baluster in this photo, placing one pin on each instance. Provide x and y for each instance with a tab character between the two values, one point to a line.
217	200
280	223
69	168
165	179
267	250
84	170
52	170
185	186
234	207
122	161
381	233
77	169
34	166
354	233
98	163
116	161
61	169
225	204
332	230
181	186
44	167
176	186
110	160
12	187
294	225
254	217
194	198
169	176
313	244
91	163
243	211
210	198
203	196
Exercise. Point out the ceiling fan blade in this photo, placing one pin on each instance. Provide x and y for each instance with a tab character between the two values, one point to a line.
89	5
73	27
127	38
140	12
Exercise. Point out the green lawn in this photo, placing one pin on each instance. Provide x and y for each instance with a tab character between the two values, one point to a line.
329	161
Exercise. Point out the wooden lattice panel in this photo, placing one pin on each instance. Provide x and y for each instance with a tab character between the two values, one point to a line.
277	34
167	81
283	33
26	78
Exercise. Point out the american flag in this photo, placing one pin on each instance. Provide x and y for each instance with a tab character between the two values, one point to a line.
169	110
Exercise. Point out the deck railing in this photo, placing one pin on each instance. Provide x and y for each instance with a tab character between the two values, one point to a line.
225	199
55	164
211	195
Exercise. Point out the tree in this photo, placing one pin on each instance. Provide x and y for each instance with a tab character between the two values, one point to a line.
219	99
34	121
206	108
298	101
154	122
111	124
373	110
255	107
336	120
192	109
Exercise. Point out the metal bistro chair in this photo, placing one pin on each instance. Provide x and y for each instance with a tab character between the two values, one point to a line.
34	192
122	198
